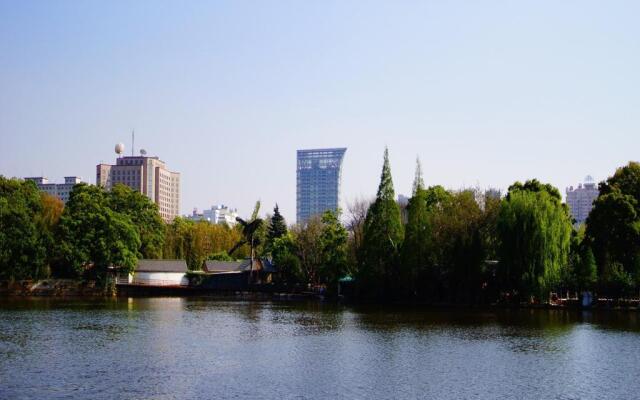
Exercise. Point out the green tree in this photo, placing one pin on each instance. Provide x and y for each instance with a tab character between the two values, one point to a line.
383	234
581	272
334	252
277	227
196	242
437	197
613	229
47	223
534	186
626	179
93	237
283	251
178	237
534	229
455	248
415	248
204	240
23	250
616	281
220	256
586	269
144	215
309	248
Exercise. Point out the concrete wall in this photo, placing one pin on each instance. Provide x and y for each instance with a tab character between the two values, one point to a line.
160	278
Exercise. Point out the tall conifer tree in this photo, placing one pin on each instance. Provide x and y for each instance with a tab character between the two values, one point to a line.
415	247
382	239
277	228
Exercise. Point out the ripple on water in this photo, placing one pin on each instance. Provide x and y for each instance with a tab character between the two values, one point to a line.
165	348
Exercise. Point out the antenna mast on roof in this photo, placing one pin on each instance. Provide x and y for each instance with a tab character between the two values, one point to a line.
133	140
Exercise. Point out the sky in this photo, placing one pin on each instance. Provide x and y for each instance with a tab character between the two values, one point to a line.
225	92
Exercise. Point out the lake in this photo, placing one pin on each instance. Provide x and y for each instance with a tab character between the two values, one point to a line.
200	348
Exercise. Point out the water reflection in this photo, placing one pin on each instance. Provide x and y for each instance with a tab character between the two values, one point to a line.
201	348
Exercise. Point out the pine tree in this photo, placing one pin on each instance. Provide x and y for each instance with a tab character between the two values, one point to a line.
277	227
382	239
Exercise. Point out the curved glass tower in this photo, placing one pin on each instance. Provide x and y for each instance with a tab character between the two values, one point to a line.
318	181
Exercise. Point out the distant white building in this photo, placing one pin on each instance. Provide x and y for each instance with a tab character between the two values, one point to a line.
60	190
218	214
580	199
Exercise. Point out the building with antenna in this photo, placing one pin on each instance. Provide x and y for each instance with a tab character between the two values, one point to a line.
148	175
580	199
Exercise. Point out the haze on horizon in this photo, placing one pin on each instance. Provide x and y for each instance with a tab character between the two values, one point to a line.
486	93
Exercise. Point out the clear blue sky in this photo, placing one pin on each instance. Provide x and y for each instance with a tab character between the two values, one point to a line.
485	92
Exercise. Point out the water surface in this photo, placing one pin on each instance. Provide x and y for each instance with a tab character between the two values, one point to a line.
199	348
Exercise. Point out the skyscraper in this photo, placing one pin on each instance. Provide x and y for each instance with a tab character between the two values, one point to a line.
580	199
318	181
147	175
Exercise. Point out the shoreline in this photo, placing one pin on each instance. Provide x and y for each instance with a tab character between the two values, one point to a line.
257	297
73	289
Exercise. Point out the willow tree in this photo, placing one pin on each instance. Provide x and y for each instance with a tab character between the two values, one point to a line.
535	230
382	239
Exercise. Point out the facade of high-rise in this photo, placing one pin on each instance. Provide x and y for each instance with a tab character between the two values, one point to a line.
580	199
218	214
148	175
59	190
318	176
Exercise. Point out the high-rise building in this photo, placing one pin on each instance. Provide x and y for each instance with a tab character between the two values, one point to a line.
580	199
318	181
148	175
60	190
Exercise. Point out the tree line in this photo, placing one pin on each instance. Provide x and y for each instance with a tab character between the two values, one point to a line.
471	247
96	230
463	246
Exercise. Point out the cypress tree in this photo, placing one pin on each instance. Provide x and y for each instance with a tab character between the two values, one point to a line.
418	181
415	247
382	239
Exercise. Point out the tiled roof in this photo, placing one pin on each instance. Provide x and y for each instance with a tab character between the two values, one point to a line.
228	266
161	266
